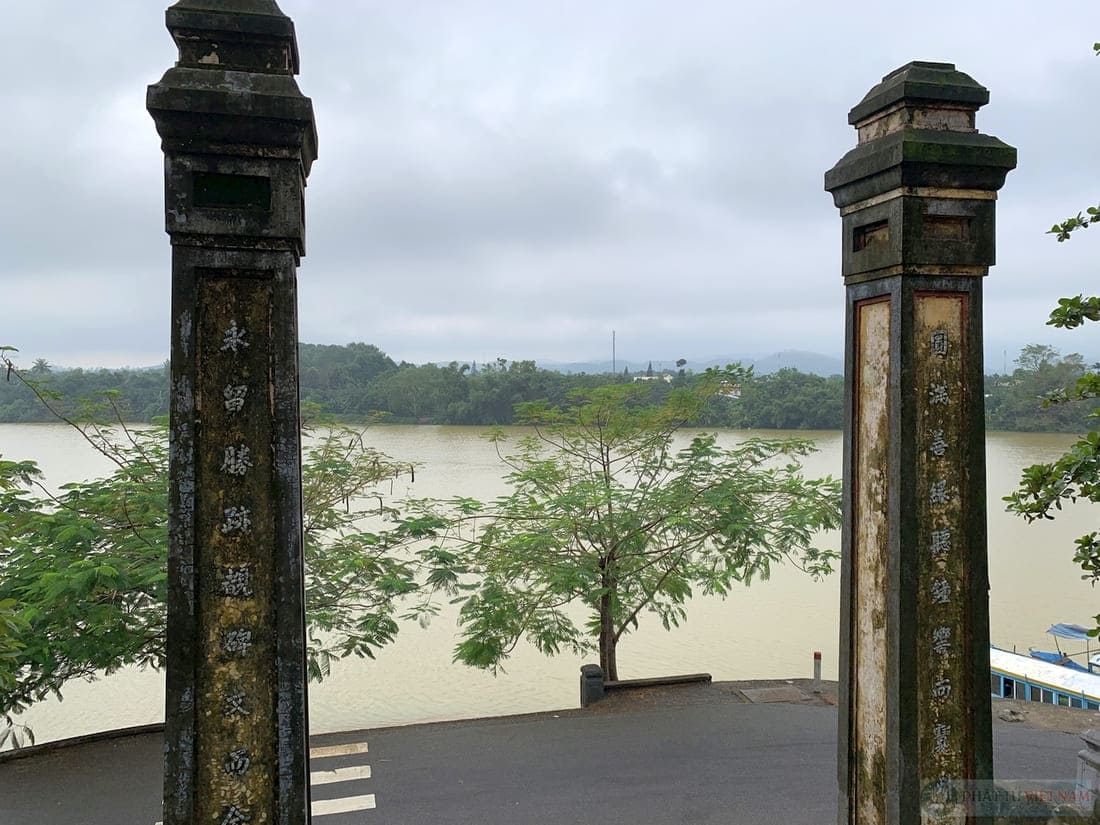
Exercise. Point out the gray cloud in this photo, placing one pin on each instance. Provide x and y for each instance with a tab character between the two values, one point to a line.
520	179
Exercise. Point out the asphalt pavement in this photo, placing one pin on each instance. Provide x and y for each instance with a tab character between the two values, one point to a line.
705	757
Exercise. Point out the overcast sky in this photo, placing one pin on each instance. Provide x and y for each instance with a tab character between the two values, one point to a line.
519	179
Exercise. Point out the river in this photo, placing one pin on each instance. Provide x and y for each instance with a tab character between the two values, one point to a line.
767	630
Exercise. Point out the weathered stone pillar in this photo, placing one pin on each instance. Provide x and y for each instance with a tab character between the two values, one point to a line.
916	198
238	139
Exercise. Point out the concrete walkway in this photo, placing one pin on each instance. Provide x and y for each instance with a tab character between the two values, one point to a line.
687	755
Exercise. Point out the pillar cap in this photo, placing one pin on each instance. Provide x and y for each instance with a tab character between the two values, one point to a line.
256	16
921	81
261	20
920	158
233	84
916	129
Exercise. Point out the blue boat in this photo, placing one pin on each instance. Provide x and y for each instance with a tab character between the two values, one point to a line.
1052	677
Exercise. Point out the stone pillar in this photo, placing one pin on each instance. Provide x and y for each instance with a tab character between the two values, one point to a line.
1088	763
238	140
916	199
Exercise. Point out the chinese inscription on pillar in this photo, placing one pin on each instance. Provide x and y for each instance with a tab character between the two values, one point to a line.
941	481
236	579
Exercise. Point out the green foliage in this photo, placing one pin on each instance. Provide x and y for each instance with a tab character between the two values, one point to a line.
83	570
1091	215
1044	487
1076	475
12	626
793	400
140	395
1064	229
355	579
1031	398
1073	312
609	510
351	381
357	380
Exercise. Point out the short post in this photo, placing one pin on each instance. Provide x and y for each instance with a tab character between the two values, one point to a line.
238	140
817	670
591	685
916	198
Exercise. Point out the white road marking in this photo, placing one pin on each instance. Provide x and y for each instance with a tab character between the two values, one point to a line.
339	775
322	807
338	750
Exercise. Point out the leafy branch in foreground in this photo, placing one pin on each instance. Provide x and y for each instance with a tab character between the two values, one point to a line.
83	569
1076	475
611	511
1066	228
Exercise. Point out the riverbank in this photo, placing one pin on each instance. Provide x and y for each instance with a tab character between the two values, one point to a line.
804	692
807	692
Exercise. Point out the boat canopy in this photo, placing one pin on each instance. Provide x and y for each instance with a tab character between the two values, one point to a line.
1070	631
1058	659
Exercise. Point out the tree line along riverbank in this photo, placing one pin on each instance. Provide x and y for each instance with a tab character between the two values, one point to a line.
357	380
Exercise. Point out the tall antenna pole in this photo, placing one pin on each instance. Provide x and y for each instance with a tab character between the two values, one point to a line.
614	364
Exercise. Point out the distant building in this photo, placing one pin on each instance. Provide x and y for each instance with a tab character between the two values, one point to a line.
666	378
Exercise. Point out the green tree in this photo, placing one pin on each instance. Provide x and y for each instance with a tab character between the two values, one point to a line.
791	400
1023	401
12	476
1076	475
83	570
610	509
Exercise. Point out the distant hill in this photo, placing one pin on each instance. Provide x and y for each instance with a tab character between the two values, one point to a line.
808	362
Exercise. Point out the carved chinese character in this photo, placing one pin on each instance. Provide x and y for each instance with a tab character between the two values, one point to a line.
940	542
942	688
937	394
938	447
237	460
237	642
941	640
237	520
237	762
940	732
233	340
236	582
234	397
235	703
938	342
232	815
941	591
938	494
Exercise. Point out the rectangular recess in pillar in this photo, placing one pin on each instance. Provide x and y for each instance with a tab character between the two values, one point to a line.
218	190
234	549
946	228
944	689
869	564
870	234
